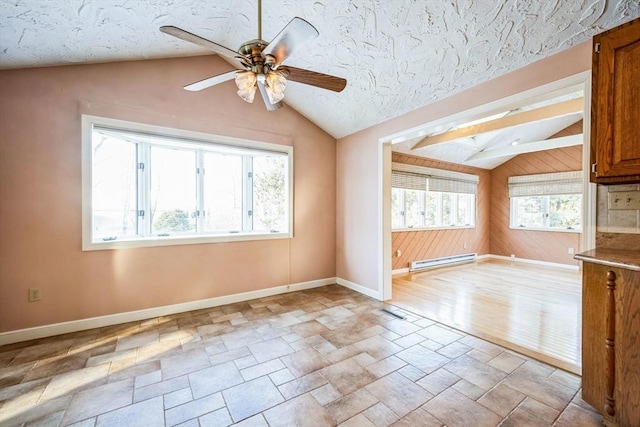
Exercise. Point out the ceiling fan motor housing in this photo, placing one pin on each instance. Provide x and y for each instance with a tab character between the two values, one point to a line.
253	50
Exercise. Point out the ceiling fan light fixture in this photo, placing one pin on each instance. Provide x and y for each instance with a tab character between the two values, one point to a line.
275	84
259	62
246	83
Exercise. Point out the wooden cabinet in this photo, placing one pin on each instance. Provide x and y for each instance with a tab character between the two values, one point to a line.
615	106
611	343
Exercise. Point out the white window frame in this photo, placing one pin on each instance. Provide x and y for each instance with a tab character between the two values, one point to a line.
189	139
472	217
515	224
403	213
544	185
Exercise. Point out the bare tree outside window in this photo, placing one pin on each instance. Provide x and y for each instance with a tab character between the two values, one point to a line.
113	187
269	198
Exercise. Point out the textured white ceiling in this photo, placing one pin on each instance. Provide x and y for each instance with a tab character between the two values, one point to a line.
397	55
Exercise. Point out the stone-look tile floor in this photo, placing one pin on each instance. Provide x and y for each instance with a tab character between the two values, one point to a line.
323	357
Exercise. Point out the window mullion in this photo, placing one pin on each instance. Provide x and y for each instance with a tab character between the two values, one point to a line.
454	208
139	189
472	209
200	191
247	193
546	211
422	203
144	189
403	212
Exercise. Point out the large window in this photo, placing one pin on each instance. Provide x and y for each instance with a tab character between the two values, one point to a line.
547	201
147	186
431	198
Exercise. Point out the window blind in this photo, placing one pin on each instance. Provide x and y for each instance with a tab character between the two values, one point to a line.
545	184
452	185
430	179
408	181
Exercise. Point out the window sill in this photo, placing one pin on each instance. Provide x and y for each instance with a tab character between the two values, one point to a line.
395	230
180	240
552	230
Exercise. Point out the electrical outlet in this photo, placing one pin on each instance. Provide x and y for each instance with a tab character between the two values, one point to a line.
571	251
513	257
34	294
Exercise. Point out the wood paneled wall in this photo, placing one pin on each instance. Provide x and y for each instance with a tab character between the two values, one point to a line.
537	245
417	245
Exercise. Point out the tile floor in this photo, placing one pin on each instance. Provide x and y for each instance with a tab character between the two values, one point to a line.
323	357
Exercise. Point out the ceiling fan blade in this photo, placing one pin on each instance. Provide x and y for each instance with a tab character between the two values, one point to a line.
297	33
324	81
217	48
211	81
265	98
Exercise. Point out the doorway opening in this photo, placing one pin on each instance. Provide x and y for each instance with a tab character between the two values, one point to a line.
553	118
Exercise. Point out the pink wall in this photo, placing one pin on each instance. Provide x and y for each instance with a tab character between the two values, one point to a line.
40	193
357	224
337	198
359	158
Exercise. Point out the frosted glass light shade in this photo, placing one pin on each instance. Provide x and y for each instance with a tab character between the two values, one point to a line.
246	83
275	85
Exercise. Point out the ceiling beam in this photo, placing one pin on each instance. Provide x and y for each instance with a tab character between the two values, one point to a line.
543	113
529	147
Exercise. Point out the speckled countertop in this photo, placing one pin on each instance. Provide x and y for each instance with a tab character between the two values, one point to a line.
612	257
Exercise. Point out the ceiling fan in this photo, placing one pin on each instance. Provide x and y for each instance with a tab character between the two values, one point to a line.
261	63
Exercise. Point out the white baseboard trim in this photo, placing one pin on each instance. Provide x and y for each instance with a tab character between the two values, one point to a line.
359	288
399	271
149	313
533	261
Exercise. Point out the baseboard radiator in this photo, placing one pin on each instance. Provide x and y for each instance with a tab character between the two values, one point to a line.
442	261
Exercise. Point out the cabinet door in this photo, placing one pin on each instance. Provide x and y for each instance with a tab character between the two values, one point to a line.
627	349
615	110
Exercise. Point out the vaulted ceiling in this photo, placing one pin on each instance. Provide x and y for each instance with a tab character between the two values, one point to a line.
397	55
555	122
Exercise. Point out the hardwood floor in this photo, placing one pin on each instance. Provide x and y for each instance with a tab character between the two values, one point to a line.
531	309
